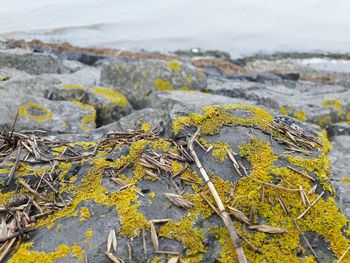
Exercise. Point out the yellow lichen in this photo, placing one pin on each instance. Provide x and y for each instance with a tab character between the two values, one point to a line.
281	247
5	197
74	86
300	115
325	120
88	121
4	78
219	151
25	254
112	95
217	116
84	214
89	233
334	104
77	252
345	180
183	230
146	127
174	65
347	117
35	112
163	85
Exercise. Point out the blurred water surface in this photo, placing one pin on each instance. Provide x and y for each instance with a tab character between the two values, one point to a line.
241	27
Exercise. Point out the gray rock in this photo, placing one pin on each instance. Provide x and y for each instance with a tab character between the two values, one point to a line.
339	128
146	119
340	156
39	113
100	205
137	80
31	63
166	100
110	104
312	102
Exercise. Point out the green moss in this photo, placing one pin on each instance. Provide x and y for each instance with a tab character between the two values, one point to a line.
74	86
300	115
88	121
41	113
114	96
334	104
217	116
174	65
163	85
25	254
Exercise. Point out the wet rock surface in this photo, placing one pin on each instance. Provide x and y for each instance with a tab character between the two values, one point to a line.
112	156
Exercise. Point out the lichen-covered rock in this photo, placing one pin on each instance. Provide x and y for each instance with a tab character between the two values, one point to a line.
110	104
32	63
307	101
41	114
140	78
127	183
340	156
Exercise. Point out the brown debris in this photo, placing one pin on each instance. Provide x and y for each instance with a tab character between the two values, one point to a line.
179	200
268	229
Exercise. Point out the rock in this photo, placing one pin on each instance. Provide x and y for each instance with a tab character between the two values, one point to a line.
110	104
137	80
289	76
166	100
256	77
120	188
51	116
323	70
339	128
340	180
307	101
31	63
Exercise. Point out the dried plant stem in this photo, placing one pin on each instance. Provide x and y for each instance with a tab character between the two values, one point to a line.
344	254
311	205
224	215
7	249
15	165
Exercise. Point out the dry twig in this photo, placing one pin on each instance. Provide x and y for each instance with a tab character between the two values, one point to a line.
224	215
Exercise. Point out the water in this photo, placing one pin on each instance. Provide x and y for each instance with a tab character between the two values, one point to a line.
241	27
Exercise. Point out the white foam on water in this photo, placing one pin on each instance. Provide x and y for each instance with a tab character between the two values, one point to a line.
240	27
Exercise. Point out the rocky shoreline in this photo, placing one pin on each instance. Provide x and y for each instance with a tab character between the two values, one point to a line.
100	150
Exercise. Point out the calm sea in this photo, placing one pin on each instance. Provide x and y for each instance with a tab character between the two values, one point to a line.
240	27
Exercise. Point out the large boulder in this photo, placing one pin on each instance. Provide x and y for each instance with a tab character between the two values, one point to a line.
137	80
32	63
146	190
313	102
110	104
